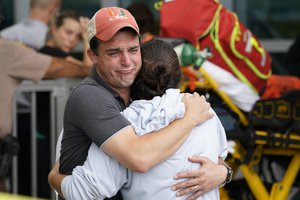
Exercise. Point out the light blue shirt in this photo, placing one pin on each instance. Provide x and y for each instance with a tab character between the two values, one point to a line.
30	32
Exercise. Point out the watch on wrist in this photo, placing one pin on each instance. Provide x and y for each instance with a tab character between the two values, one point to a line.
229	174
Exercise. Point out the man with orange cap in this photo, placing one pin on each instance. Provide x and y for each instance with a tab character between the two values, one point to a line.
93	109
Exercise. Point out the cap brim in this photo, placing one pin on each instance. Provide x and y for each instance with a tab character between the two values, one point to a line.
108	33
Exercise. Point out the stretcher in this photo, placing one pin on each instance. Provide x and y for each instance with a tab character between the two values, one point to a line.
271	129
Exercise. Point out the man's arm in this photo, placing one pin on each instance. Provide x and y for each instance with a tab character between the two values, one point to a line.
55	178
140	153
60	67
143	152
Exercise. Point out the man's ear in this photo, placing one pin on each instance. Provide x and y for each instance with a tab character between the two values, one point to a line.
93	57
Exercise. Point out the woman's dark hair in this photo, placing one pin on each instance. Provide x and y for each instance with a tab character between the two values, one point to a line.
60	17
160	70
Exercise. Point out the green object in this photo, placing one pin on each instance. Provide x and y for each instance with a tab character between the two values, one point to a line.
198	62
190	56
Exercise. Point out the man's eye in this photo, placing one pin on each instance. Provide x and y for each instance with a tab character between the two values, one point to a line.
112	53
133	50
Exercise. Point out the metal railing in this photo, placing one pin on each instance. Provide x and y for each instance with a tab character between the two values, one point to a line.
59	90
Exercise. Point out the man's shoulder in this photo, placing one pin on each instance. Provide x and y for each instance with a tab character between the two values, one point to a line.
15	28
89	85
90	89
25	24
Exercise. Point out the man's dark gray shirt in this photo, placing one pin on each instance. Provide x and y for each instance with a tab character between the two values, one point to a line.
92	114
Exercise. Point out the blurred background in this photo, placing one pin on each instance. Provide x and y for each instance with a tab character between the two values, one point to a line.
276	23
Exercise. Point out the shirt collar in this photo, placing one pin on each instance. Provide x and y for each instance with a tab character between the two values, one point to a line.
97	78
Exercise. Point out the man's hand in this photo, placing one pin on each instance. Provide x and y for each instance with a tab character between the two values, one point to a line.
55	178
209	176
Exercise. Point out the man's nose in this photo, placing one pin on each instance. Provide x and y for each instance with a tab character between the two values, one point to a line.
125	58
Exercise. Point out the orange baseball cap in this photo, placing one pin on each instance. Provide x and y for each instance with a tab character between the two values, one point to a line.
108	21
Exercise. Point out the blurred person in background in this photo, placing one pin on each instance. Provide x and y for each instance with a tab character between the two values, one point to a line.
67	29
18	63
145	20
32	30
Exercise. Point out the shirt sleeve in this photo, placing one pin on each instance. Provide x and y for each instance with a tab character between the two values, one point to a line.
98	115
100	177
